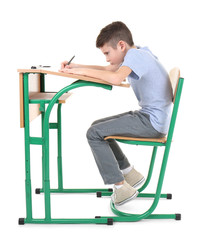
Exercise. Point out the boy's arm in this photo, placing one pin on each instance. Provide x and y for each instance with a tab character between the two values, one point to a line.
74	65
113	77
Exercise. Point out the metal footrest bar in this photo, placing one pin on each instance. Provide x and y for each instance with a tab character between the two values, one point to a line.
141	195
80	190
97	220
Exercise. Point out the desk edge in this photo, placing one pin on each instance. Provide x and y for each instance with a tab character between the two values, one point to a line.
81	77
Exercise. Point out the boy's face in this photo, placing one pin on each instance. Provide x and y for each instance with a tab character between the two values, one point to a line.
113	56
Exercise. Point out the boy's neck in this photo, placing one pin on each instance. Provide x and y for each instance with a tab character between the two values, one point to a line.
129	47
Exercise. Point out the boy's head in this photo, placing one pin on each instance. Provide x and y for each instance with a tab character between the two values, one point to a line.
113	33
114	40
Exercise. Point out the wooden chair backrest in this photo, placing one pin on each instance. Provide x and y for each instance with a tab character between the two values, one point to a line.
174	76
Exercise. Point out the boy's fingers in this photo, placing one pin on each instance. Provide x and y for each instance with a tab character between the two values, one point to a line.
63	64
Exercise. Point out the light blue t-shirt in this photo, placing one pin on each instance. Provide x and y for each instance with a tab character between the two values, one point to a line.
151	85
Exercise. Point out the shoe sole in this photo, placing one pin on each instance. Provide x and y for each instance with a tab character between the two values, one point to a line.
139	182
128	199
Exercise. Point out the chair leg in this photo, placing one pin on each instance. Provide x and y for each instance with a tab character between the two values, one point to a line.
151	195
154	152
148	214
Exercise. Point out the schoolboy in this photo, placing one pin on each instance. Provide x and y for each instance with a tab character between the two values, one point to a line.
151	85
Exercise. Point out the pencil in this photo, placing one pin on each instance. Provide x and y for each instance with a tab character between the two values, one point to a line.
70	60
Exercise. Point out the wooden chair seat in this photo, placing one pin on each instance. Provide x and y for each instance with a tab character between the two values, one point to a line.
160	140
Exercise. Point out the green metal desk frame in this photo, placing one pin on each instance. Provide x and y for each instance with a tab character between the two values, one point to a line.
44	142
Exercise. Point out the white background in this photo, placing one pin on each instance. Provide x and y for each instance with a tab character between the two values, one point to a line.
48	32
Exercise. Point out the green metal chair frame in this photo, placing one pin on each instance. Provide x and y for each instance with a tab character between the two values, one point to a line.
177	84
44	142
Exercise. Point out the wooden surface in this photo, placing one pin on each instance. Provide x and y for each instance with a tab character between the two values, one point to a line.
85	78
160	140
21	94
49	96
174	76
34	87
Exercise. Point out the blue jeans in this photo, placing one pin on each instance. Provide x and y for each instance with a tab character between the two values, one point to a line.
108	156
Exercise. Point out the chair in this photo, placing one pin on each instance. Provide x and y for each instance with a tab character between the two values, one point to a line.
177	84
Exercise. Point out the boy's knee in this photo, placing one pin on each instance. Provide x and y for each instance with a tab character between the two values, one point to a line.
91	133
95	133
95	122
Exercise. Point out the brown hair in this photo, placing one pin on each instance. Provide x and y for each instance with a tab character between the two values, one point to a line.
113	33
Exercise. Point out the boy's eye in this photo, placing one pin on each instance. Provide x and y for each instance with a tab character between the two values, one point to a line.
106	53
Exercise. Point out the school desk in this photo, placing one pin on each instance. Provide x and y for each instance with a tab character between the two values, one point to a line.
33	101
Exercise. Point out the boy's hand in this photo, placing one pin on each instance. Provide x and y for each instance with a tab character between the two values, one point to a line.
64	65
77	71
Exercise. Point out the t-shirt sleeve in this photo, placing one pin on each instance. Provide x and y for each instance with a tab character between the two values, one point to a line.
136	62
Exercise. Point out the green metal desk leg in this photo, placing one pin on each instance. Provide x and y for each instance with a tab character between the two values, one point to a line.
27	149
59	141
59	144
42	109
46	141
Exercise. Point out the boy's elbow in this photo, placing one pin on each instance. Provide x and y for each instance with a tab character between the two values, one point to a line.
117	80
117	83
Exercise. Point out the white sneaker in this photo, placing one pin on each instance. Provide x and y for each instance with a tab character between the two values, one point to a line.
124	194
134	178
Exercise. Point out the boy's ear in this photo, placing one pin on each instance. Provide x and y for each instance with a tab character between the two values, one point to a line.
122	45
